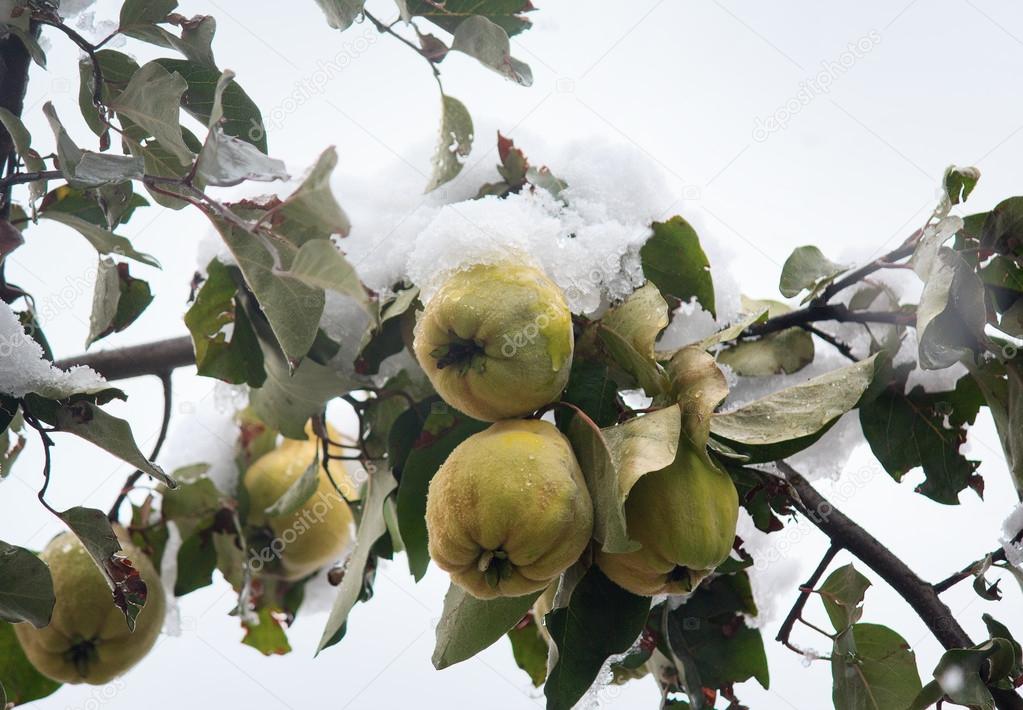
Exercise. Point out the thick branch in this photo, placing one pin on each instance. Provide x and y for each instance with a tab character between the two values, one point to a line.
137	360
837	312
918	594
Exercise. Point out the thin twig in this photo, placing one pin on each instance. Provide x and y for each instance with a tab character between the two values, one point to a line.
129	484
966	572
796	613
831	340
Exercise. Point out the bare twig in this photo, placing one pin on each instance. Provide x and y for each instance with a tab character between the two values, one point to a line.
904	250
796	613
824	312
831	340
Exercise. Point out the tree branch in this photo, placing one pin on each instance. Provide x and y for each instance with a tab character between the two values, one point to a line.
804	594
823	312
137	360
905	249
920	595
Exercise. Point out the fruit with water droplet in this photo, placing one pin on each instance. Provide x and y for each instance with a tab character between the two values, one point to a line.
496	537
496	341
88	639
684	518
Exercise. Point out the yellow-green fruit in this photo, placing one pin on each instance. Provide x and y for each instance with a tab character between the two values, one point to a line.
496	341
314	535
88	640
508	511
684	517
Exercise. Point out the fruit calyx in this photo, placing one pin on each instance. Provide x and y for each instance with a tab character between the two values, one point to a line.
678	574
82	654
461	353
495	566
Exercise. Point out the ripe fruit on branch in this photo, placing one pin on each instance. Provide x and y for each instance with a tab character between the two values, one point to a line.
508	511
88	639
684	517
496	341
315	534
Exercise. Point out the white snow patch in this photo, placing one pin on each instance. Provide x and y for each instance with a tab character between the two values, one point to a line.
952	680
206	431
1012	527
774	572
169	578
24	369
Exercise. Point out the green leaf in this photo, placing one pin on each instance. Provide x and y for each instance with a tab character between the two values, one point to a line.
103	240
807	269
197	559
448	15
196	33
924	429
628	333
530	650
601	619
592	389
311	211
288	398
225	344
118	300
86	420
241	118
341	13
266	634
674	260
488	43
23	144
371	526
319	264
454	143
141	12
26	589
93	529
292	308
803	410
19	678
299	491
710	634
152	100
444	429
615	458
85	205
226	161
468	625
873	668
959	183
842	594
786	351
952	312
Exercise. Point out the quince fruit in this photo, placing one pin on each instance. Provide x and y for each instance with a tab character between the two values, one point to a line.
684	517
508	511
496	341
319	531
88	639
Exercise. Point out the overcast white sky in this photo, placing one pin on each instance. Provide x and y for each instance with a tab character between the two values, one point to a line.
854	170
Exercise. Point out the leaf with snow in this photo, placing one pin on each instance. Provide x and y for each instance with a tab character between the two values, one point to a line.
807	269
103	240
797	413
933	238
488	43
468	625
152	99
26	370
454	143
371	526
952	313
